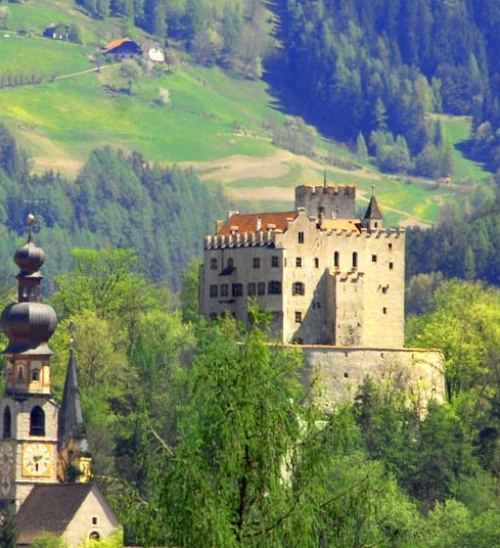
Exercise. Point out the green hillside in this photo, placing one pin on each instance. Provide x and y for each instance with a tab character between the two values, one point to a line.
211	120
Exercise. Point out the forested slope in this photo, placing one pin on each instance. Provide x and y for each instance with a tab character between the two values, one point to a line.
118	201
379	68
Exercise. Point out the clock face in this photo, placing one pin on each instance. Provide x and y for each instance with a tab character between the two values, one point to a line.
6	466
36	459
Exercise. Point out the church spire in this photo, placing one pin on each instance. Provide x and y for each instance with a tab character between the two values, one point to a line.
72	435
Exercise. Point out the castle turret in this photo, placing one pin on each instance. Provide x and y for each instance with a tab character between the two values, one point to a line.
373	217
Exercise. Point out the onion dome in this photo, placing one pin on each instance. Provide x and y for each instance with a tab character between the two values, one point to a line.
28	326
29	257
28	323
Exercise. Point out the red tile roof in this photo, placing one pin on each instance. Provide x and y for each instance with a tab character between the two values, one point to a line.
115	43
248	222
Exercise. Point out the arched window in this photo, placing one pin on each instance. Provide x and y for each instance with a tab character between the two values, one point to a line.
298	288
37	421
94	535
7	423
336	259
355	260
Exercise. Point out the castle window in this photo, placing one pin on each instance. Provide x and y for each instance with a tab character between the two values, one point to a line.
224	290
251	289
213	291
384	289
237	290
298	317
35	374
316	262
274	261
95	520
389	246
355	260
298	288
37	421
300	237
274	288
298	262
261	288
230	262
213	263
7	423
376	224
391	266
384	310
346	375
256	262
336	259
374	258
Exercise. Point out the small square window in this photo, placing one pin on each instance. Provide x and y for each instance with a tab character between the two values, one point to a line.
95	520
213	291
391	266
384	310
298	262
389	247
298	317
374	258
300	237
213	263
346	375
256	262
385	289
274	261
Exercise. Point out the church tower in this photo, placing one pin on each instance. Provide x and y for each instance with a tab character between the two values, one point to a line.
28	415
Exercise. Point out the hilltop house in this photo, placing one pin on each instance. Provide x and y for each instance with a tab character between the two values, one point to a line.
123	48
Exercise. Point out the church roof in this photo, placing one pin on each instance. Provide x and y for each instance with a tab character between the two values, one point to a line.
373	211
49	509
248	222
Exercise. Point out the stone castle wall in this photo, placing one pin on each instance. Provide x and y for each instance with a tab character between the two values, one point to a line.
339	371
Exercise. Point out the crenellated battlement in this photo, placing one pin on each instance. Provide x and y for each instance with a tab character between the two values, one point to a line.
359	233
309	189
243	239
327	201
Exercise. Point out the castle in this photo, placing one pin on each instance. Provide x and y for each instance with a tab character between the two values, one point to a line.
331	282
45	464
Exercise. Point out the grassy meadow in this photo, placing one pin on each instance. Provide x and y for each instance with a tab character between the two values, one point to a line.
211	120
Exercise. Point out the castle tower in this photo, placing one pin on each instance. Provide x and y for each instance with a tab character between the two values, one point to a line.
28	415
74	456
